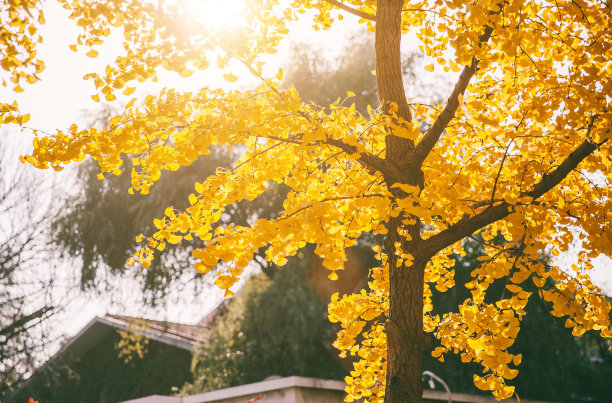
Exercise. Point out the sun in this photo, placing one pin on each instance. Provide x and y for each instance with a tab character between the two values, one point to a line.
216	14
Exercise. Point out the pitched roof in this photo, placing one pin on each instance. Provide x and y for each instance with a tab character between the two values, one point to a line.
179	335
175	334
167	332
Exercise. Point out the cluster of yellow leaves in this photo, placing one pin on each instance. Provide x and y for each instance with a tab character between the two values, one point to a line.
18	39
362	318
332	200
541	89
9	113
132	344
167	34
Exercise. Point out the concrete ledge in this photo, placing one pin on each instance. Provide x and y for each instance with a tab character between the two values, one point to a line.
297	389
265	386
156	399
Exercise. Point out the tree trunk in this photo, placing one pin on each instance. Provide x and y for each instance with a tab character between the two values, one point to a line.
404	328
405	339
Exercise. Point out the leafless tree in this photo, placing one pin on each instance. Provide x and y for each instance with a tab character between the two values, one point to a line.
27	276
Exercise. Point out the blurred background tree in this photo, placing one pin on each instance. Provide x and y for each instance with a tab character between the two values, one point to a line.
254	336
28	277
323	80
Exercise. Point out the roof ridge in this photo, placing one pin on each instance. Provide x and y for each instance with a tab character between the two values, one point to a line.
127	317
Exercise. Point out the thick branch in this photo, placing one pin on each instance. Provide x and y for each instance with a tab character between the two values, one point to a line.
358	13
370	161
468	226
448	113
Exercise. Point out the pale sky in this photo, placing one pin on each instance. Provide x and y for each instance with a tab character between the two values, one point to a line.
62	98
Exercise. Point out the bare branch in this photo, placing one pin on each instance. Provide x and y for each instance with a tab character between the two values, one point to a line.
370	161
358	13
24	320
327	200
501	165
448	113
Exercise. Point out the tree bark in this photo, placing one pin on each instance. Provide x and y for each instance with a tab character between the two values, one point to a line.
389	81
404	328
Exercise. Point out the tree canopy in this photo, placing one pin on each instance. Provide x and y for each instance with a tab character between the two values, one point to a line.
519	149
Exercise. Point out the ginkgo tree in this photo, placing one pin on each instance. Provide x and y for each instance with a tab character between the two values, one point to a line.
519	149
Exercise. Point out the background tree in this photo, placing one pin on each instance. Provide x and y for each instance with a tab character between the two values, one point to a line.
255	337
27	275
323	80
511	152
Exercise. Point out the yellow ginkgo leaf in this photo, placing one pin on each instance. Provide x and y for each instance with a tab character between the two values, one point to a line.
230	77
201	64
185	72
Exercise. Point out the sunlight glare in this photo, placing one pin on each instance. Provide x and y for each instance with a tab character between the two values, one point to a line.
216	14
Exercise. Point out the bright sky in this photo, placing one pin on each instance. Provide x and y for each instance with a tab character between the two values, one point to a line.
62	98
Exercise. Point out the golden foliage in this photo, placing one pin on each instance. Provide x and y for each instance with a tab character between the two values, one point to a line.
538	102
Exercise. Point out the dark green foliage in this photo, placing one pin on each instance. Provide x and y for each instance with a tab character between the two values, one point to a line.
101	376
556	366
272	327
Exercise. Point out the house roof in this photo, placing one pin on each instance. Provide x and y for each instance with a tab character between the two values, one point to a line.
179	335
166	332
175	334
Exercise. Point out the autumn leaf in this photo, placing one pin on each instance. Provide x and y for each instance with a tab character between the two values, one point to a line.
230	77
